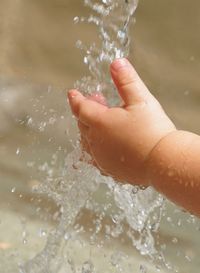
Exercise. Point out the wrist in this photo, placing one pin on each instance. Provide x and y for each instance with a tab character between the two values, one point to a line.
157	158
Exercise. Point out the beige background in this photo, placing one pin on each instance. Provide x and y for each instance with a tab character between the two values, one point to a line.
38	55
37	44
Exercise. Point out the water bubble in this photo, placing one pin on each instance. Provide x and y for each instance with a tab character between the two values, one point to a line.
17	151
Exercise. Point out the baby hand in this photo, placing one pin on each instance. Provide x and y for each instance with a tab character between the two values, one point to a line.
121	139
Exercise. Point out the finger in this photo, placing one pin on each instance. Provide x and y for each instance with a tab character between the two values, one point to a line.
131	88
87	111
75	99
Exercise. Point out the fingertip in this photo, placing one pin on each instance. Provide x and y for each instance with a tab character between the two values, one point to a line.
75	100
72	93
119	64
75	97
130	87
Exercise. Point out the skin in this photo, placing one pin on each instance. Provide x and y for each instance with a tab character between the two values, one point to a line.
137	143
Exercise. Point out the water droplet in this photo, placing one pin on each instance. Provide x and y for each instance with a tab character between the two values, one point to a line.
42	232
79	44
67	236
169	219
188	258
17	151
121	34
82	181
24	237
76	20
143	269
179	223
135	189
29	121
13	190
25	241
174	240
85	60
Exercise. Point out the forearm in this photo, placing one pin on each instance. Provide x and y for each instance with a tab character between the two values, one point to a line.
174	169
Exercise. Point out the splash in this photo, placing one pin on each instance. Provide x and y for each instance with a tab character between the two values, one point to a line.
112	20
126	211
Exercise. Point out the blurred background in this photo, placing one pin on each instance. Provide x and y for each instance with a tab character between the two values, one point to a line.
39	61
38	38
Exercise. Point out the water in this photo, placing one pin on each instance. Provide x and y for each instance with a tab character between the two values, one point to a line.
133	211
127	215
112	20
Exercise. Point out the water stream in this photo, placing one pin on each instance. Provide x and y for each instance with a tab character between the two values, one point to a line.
129	211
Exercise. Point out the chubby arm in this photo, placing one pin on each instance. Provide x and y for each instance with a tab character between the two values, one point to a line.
138	143
174	169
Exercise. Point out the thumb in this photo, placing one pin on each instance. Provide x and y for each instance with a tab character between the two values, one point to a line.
130	87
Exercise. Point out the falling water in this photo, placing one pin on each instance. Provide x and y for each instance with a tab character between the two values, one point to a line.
127	210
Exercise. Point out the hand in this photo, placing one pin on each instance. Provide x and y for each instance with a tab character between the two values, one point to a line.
120	139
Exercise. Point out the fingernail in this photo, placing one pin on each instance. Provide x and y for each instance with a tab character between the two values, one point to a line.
72	94
120	63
